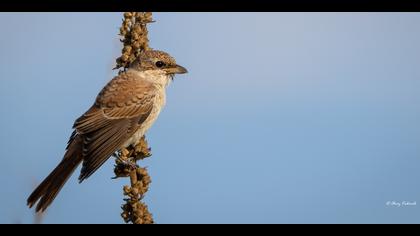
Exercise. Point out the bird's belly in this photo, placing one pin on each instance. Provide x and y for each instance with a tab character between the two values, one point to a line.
135	138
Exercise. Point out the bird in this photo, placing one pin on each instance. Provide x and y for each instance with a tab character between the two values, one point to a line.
123	111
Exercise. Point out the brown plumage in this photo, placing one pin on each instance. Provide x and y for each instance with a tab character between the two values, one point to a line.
123	111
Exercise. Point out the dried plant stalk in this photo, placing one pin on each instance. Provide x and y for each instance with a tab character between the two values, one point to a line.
134	37
135	40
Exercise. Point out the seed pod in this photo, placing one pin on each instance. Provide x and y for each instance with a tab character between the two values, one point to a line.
124	57
132	58
136	45
127	49
126	189
137	28
135	36
135	191
139	185
123	31
138	221
126	22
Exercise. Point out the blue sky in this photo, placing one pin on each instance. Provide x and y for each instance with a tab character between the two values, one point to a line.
282	118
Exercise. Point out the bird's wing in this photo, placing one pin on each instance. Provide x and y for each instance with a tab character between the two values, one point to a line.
118	112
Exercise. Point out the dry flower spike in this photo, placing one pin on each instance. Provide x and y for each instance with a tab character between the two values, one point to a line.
135	40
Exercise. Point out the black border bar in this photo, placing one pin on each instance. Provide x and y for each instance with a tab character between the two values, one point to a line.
212	5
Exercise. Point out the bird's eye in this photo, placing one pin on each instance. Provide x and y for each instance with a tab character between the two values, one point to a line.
160	64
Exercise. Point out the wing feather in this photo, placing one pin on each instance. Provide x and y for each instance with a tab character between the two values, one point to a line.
120	108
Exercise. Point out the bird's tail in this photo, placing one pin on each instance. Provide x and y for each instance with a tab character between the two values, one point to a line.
51	186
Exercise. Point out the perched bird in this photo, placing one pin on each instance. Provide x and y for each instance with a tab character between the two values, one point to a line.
123	111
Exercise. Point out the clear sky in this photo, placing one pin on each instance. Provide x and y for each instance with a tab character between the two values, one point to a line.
282	118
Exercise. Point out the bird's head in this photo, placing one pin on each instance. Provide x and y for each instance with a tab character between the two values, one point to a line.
157	60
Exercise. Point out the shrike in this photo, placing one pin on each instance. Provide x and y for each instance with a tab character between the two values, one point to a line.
122	113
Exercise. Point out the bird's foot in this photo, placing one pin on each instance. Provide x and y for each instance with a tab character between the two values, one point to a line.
127	163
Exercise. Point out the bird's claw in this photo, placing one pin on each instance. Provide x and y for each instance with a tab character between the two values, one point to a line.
127	162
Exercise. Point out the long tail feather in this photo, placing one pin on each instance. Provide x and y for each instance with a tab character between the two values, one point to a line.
52	184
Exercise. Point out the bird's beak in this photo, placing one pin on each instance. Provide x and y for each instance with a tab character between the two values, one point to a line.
177	69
